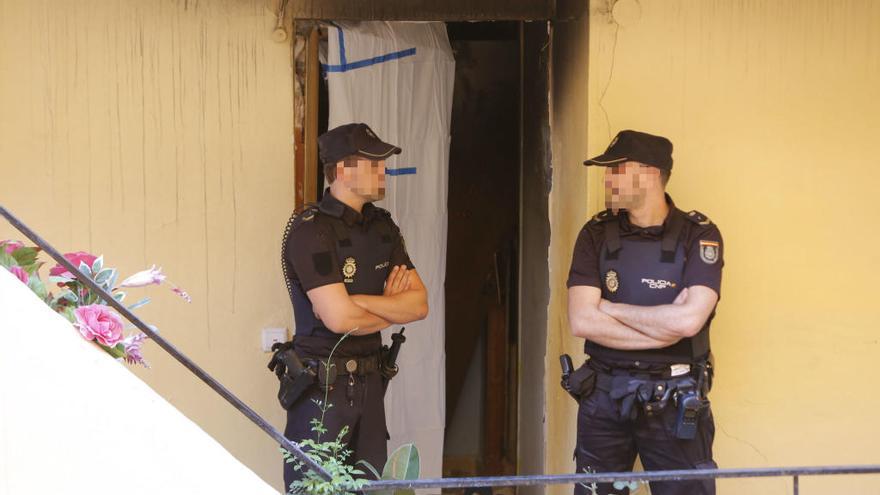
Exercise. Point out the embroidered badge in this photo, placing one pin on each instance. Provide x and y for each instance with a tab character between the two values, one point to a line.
611	281
323	263
658	284
709	252
349	269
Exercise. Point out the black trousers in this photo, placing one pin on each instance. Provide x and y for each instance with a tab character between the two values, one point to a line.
362	409
607	443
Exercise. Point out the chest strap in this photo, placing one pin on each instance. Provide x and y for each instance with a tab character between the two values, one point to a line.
668	245
612	239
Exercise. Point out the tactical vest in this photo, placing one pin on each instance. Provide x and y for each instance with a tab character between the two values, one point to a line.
646	272
363	251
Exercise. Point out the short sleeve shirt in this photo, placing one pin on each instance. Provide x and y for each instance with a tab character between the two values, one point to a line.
311	247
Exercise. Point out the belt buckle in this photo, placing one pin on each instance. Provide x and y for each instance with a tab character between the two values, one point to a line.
351	366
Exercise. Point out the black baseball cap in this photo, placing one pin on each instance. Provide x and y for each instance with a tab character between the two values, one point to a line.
353	139
636	146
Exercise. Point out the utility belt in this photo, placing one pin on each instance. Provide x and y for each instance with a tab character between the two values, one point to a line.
297	374
652	388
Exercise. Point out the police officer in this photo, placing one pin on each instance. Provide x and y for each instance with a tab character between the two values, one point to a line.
644	282
348	272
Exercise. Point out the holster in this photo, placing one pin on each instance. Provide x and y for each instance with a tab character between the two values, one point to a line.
388	358
580	383
294	375
387	368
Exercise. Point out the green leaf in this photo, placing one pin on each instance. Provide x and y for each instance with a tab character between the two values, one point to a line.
70	296
38	287
25	256
119	296
369	467
102	276
98	264
83	267
68	313
632	485
33	268
403	464
59	280
6	260
116	352
140	303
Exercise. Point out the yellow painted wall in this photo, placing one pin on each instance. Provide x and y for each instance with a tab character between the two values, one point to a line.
160	132
774	110
568	211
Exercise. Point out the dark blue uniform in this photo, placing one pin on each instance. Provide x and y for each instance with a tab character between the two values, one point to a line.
326	244
628	411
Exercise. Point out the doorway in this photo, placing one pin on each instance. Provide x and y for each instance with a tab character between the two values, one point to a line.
482	249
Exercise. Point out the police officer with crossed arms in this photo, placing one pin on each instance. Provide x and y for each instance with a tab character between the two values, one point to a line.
644	282
348	272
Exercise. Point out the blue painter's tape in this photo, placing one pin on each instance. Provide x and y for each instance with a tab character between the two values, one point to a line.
342	59
400	171
344	66
370	61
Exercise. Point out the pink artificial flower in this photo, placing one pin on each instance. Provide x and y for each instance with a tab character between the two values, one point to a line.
97	322
143	278
11	246
20	273
133	344
75	258
182	293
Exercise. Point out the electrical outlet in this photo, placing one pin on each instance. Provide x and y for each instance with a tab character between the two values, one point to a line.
270	336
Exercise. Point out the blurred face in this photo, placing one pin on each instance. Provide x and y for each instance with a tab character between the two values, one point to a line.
364	177
626	185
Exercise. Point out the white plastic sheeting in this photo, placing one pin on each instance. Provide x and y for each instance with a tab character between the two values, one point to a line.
75	421
397	77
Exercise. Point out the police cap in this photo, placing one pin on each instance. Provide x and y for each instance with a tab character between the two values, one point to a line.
636	146
353	139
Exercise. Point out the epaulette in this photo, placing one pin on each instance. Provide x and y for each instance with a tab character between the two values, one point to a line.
602	216
382	212
698	218
304	214
378	213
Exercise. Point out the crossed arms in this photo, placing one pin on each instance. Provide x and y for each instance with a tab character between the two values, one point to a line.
630	327
404	300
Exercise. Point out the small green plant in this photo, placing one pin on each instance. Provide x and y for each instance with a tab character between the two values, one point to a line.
333	456
634	486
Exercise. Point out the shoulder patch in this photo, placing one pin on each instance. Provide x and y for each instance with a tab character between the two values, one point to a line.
602	216
698	218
